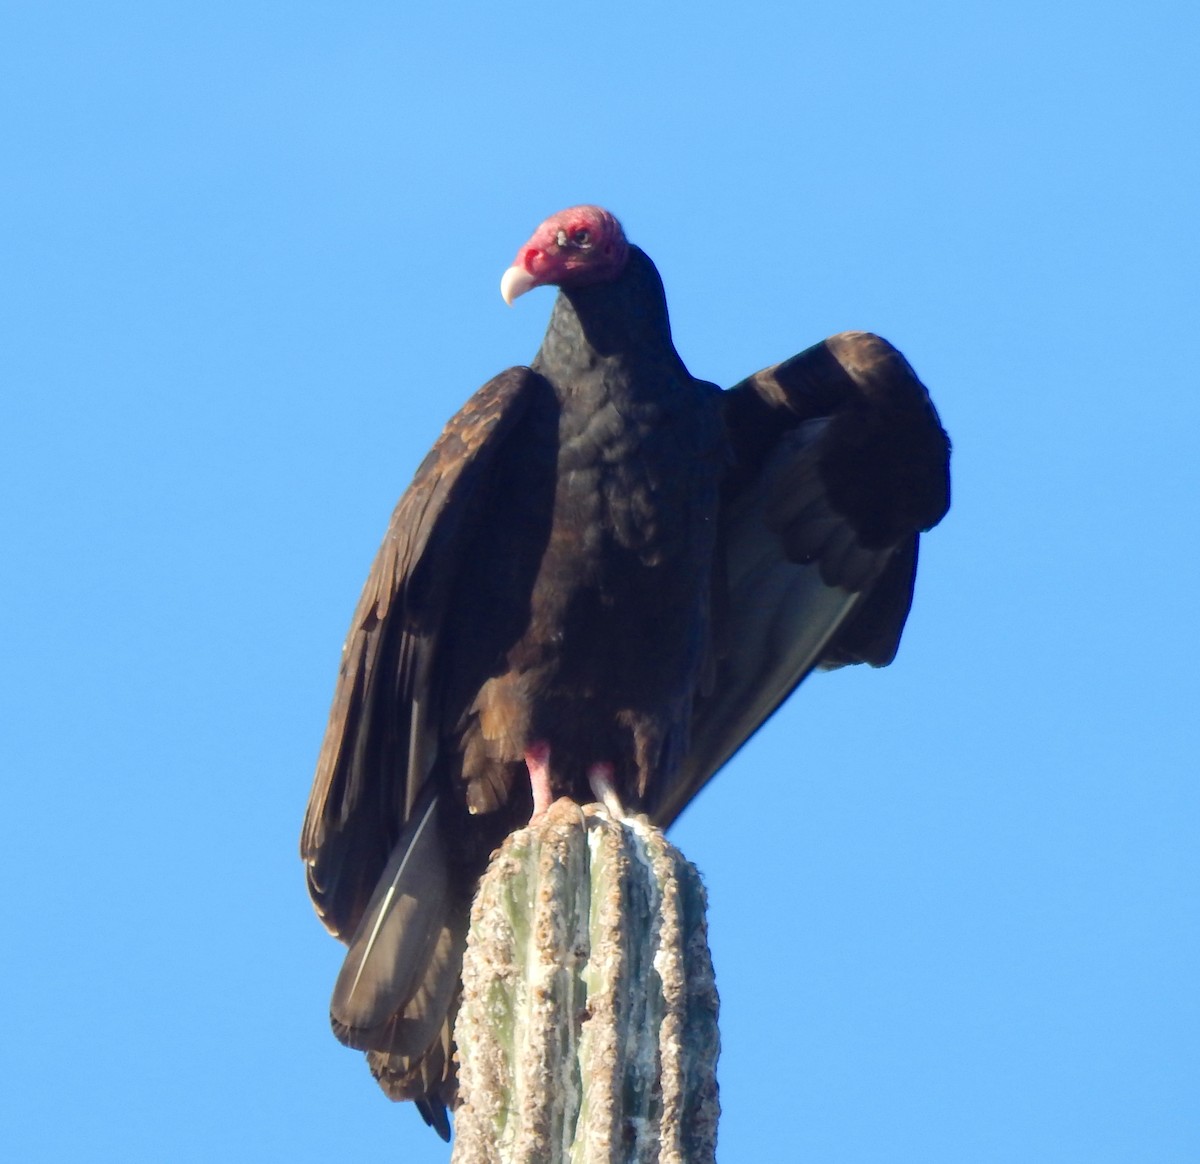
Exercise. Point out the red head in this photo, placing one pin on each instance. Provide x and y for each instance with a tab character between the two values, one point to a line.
572	248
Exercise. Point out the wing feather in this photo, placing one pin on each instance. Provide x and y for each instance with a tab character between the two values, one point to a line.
381	741
840	459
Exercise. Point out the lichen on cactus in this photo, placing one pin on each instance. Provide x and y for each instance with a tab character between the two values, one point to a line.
587	1032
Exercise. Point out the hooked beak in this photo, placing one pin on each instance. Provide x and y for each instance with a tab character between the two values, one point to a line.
515	282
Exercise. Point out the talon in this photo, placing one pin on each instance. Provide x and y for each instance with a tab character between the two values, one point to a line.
600	778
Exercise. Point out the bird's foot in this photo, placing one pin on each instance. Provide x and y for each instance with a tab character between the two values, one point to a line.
537	760
600	778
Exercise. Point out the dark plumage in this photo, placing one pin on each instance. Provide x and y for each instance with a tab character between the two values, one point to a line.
839	461
605	573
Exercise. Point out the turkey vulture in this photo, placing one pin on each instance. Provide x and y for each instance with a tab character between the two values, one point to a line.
603	578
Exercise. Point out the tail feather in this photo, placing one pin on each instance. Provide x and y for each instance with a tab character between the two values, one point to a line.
433	1112
400	934
428	1080
397	992
402	1077
411	1030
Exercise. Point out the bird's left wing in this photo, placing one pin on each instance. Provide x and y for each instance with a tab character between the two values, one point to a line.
840	459
381	740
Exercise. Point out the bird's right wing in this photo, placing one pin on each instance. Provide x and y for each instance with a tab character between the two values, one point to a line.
840	459
380	743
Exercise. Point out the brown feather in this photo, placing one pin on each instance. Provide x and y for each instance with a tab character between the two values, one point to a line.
607	557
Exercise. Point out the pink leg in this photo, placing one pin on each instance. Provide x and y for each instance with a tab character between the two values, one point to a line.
600	777
537	760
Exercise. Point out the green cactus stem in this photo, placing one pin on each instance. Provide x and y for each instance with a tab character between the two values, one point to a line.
588	1027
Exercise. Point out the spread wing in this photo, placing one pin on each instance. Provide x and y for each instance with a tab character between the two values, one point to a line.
381	742
840	461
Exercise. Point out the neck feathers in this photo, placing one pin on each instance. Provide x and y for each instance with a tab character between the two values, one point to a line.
623	318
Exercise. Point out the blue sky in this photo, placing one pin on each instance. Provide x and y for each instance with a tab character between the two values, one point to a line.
250	262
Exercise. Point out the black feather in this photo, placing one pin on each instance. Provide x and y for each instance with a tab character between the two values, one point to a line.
606	555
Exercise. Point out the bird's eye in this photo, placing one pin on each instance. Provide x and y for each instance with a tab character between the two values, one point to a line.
581	238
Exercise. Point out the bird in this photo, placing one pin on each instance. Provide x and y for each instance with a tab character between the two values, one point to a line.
603	578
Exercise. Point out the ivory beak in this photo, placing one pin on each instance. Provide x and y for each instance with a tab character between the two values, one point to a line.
515	282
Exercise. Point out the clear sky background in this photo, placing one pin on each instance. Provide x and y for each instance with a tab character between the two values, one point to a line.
250	257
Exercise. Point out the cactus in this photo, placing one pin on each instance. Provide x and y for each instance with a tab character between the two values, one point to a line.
588	1027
